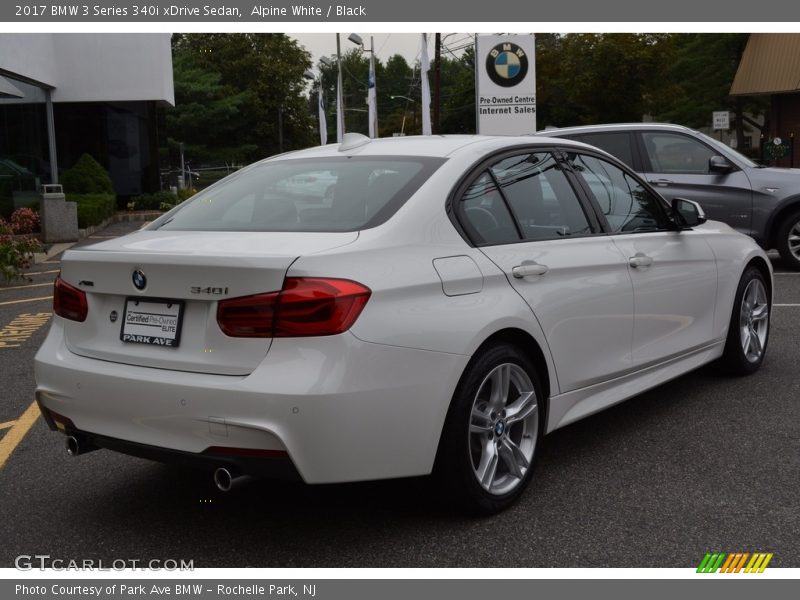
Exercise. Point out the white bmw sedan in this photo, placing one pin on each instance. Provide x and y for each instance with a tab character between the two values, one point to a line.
393	308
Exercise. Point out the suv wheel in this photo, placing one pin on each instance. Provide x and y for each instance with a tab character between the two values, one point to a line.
788	242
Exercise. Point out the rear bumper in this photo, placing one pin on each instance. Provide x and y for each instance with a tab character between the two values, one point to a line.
341	409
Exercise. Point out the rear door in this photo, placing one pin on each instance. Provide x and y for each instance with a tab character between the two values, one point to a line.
523	213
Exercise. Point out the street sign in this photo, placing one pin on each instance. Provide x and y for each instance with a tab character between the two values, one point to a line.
721	119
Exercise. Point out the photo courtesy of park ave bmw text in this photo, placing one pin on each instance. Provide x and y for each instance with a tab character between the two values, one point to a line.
299	298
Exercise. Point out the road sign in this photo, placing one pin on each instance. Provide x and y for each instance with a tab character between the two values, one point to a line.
721	119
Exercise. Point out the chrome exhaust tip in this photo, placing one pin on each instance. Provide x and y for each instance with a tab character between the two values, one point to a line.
226	480
73	446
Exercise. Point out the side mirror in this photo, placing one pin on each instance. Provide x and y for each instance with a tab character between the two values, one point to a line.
719	164
688	213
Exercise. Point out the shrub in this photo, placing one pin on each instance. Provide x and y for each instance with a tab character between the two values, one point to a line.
186	193
87	177
165	206
24	220
154	201
93	209
15	252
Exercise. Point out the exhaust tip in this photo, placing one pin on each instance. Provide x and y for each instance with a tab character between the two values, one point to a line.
223	479
73	447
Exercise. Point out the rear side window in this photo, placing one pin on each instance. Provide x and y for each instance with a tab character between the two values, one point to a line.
619	144
541	197
486	215
324	194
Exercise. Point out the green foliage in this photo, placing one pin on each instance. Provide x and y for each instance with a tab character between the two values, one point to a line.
229	91
87	176
599	78
93	209
15	253
154	201
186	193
700	77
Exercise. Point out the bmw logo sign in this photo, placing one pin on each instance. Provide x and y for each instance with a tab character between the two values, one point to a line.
139	280
507	64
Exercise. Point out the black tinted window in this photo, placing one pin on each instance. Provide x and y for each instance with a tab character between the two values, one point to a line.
541	197
616	144
485	213
325	194
626	204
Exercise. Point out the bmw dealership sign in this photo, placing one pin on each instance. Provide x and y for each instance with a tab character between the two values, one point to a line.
506	85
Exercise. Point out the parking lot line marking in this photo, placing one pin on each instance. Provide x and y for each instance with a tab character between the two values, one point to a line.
41	298
6	425
42	272
786	305
22	328
782	273
18	432
24	287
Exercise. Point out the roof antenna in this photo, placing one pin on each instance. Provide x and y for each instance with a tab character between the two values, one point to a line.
353	140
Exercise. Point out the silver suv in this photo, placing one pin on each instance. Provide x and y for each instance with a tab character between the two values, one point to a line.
763	202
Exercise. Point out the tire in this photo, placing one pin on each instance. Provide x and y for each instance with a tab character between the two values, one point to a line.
748	331
490	440
788	241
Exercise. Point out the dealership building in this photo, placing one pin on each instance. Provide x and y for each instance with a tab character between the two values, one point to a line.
63	95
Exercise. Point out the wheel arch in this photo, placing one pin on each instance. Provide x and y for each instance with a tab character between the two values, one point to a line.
527	344
759	263
788	206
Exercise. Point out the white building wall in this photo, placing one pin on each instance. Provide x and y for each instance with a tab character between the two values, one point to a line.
93	67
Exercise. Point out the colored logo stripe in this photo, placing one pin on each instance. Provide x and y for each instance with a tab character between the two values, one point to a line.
734	562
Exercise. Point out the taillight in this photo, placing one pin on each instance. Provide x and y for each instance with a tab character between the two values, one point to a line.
69	302
305	306
248	316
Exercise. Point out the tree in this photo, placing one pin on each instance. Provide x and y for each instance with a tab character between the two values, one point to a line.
701	74
233	92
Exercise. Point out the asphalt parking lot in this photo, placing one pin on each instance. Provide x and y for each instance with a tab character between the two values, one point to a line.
704	463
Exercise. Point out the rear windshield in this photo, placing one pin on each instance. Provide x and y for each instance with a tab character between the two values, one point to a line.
324	194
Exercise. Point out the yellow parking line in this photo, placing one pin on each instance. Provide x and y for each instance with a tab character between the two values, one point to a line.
24	287
6	425
17	432
26	300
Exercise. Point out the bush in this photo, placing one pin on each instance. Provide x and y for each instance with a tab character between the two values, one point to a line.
186	193
87	177
154	201
24	220
93	208
15	252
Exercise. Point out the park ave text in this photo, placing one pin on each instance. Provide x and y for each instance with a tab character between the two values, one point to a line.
178	589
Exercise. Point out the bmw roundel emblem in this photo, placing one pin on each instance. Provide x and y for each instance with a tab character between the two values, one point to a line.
139	280
507	64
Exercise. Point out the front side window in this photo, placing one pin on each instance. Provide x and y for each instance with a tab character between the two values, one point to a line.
676	153
626	204
323	194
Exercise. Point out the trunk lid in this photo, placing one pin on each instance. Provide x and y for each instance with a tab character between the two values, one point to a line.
194	270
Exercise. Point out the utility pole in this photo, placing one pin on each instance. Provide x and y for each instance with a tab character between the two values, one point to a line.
437	85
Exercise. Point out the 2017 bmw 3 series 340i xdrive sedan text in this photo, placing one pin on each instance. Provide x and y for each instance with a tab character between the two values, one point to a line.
393	308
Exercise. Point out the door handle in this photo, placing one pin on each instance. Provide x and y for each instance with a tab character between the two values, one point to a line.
529	269
661	181
640	260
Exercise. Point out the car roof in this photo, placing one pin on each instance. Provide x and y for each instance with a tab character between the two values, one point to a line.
558	131
441	146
